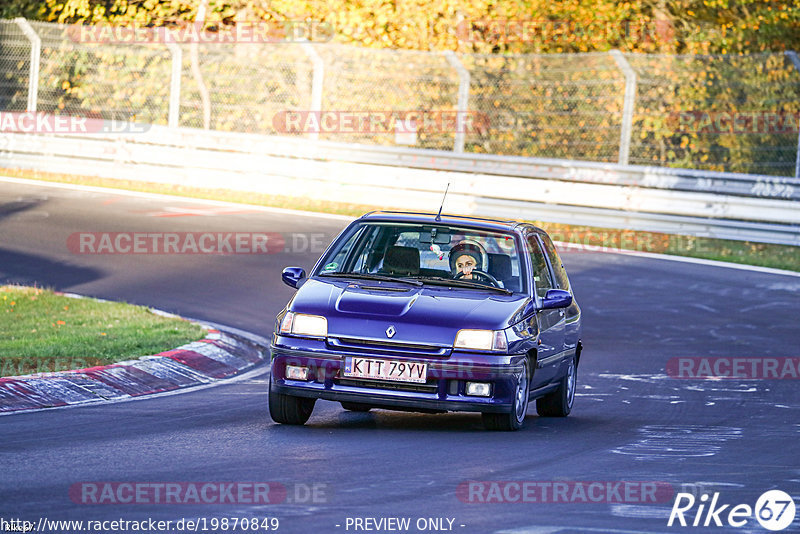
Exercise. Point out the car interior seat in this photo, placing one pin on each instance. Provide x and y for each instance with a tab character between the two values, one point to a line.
401	260
500	268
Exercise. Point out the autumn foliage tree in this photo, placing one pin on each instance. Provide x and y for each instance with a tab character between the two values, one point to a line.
547	26
716	56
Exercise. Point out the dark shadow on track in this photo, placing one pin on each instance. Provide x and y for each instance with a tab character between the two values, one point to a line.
32	269
9	209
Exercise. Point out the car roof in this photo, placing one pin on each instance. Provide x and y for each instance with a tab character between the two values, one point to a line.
455	220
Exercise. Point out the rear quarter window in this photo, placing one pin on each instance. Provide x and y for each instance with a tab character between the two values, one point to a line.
555	260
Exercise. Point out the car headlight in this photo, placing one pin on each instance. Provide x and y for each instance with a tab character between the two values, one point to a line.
481	340
302	324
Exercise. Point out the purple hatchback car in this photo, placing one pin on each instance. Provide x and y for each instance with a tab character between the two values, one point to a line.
429	313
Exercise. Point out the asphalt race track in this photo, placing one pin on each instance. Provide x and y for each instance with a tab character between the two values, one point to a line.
631	422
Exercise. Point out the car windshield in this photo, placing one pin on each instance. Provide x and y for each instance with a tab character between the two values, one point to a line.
427	254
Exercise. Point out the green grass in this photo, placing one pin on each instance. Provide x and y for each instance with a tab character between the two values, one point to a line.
745	252
43	331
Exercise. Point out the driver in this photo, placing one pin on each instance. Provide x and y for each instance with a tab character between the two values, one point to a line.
465	257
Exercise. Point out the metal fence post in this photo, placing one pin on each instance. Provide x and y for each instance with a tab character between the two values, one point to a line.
463	99
36	50
316	81
627	106
175	85
792	55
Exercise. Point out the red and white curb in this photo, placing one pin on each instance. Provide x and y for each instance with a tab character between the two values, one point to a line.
218	356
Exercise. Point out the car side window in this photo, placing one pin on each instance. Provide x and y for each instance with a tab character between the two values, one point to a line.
368	258
336	263
555	261
541	274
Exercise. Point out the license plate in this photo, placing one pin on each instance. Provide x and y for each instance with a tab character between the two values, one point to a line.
386	370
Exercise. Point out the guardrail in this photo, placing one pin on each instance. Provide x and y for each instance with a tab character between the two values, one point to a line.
712	204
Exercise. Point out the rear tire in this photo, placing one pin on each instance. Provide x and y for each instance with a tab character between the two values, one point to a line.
288	409
356	407
516	418
559	403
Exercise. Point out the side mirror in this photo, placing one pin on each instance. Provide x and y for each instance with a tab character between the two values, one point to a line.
291	276
556	298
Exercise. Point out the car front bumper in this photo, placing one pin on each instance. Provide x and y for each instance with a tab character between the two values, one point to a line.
444	390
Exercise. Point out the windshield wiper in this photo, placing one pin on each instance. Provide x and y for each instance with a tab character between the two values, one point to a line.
367	276
439	280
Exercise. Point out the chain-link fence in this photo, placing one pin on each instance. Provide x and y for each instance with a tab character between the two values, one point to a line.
247	85
740	113
15	66
558	106
726	113
110	81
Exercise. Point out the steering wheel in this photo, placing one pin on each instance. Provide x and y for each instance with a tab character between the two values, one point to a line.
482	274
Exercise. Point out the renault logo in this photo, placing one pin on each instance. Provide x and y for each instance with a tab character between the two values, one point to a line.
391	331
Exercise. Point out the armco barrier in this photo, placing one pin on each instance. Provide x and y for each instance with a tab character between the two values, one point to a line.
721	205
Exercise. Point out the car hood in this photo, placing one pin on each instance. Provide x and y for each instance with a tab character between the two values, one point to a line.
427	314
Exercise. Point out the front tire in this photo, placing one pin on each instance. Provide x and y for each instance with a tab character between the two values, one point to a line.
516	418
559	403
288	409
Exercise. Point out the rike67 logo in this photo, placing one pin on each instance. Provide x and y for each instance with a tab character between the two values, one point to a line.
774	510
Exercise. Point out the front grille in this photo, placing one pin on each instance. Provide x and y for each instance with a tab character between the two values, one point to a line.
389	347
429	387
